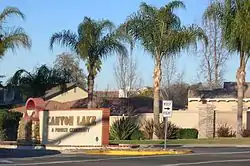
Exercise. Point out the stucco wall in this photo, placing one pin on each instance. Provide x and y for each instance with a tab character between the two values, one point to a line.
184	119
190	119
71	95
230	118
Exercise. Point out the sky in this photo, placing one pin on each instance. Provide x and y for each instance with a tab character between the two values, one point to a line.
45	17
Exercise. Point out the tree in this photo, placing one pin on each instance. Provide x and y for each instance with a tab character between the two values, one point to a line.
37	83
94	41
12	38
178	93
214	55
161	34
173	88
234	16
125	71
170	76
146	92
169	73
70	64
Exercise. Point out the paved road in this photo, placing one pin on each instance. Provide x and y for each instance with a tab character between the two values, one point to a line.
201	157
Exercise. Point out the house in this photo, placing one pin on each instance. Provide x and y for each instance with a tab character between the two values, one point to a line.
75	96
72	92
61	98
224	99
10	96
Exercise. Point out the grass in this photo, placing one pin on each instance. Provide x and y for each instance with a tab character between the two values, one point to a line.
231	141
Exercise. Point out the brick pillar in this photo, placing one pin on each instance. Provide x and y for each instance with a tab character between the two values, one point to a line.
35	132
20	132
206	121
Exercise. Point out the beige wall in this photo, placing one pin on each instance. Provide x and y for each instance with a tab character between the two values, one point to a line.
71	95
190	119
230	118
51	134
184	119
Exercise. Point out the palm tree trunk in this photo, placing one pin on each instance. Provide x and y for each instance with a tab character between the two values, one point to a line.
157	81
90	90
240	76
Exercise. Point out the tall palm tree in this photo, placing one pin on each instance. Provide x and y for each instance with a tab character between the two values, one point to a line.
12	38
234	16
160	32
35	84
93	42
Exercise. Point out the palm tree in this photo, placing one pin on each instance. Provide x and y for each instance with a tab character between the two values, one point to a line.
37	83
162	35
93	42
12	38
234	16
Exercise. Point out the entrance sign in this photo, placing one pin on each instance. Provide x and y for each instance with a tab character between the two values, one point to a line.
167	107
73	127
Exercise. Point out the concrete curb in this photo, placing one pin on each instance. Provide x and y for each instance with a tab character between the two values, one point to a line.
81	150
215	146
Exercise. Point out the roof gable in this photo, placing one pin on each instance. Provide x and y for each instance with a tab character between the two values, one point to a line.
55	91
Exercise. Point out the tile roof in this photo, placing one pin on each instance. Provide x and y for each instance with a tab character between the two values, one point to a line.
139	104
229	90
107	93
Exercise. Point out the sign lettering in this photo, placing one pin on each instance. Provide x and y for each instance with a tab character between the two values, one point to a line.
81	121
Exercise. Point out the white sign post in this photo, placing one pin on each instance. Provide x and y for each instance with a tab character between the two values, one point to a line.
167	107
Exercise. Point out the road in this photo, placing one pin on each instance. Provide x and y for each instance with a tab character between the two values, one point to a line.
201	157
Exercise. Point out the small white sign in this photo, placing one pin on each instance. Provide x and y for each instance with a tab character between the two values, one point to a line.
167	107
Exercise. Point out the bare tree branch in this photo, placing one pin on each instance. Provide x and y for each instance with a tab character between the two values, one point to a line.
173	87
126	74
214	55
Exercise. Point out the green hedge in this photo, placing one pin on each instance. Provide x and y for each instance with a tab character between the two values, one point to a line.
9	122
187	134
137	135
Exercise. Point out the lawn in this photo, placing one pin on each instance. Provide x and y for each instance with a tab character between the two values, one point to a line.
231	141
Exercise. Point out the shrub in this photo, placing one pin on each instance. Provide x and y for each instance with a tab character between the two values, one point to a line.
245	133
148	129
137	135
225	131
171	131
187	134
3	136
9	122
123	128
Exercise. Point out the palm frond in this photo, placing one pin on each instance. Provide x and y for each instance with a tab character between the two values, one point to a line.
65	38
10	11
125	37
86	28
182	39
176	4
16	38
147	10
106	25
18	77
110	44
